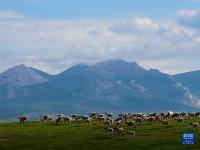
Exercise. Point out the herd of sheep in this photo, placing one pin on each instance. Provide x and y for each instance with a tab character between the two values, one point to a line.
117	124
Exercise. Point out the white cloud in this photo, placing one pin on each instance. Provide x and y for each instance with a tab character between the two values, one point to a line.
9	14
146	24
54	45
190	18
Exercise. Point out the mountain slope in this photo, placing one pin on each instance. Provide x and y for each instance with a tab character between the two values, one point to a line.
119	84
190	80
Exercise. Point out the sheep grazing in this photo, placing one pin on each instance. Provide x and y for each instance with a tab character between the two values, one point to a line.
111	121
195	126
162	114
93	115
109	115
165	122
88	121
197	114
158	117
67	119
119	123
130	124
60	119
74	116
131	132
101	118
169	114
109	130
119	130
179	120
191	115
107	122
23	119
118	119
150	119
46	118
183	114
175	115
59	115
138	119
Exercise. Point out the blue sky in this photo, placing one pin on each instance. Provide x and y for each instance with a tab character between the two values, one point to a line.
53	35
66	9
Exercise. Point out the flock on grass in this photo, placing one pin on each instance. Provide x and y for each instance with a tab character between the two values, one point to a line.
118	124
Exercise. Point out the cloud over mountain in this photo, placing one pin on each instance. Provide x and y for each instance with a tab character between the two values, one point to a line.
52	45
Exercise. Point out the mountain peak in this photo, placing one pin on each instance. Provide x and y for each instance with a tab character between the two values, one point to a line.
21	75
112	62
17	67
114	68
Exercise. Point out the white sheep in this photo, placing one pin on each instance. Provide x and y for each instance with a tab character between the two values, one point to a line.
179	120
109	130
195	126
131	132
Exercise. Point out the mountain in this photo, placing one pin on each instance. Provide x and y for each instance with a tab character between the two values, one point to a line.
114	85
190	80
14	81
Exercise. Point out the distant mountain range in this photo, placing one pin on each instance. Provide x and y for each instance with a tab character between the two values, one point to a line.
114	85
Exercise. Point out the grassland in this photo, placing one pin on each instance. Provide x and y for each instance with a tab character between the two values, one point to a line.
80	136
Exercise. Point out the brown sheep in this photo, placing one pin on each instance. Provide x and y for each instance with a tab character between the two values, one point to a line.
23	119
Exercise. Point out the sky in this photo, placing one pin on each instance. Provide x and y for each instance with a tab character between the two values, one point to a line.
53	35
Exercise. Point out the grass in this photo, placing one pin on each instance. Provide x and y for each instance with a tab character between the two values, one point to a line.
80	136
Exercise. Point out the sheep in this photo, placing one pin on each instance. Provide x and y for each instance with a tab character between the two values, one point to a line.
100	115
197	114
158	117
88	121
179	120
109	115
162	114
131	132
111	121
119	123
109	130
118	119
67	119
93	115
164	122
169	114
195	126
138	119
84	117
107	122
74	116
101	118
150	119
130	124
191	115
46	118
23	119
119	130
183	114
59	115
152	114
60	119
175	115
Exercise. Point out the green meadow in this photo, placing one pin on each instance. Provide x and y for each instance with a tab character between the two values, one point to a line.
81	136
